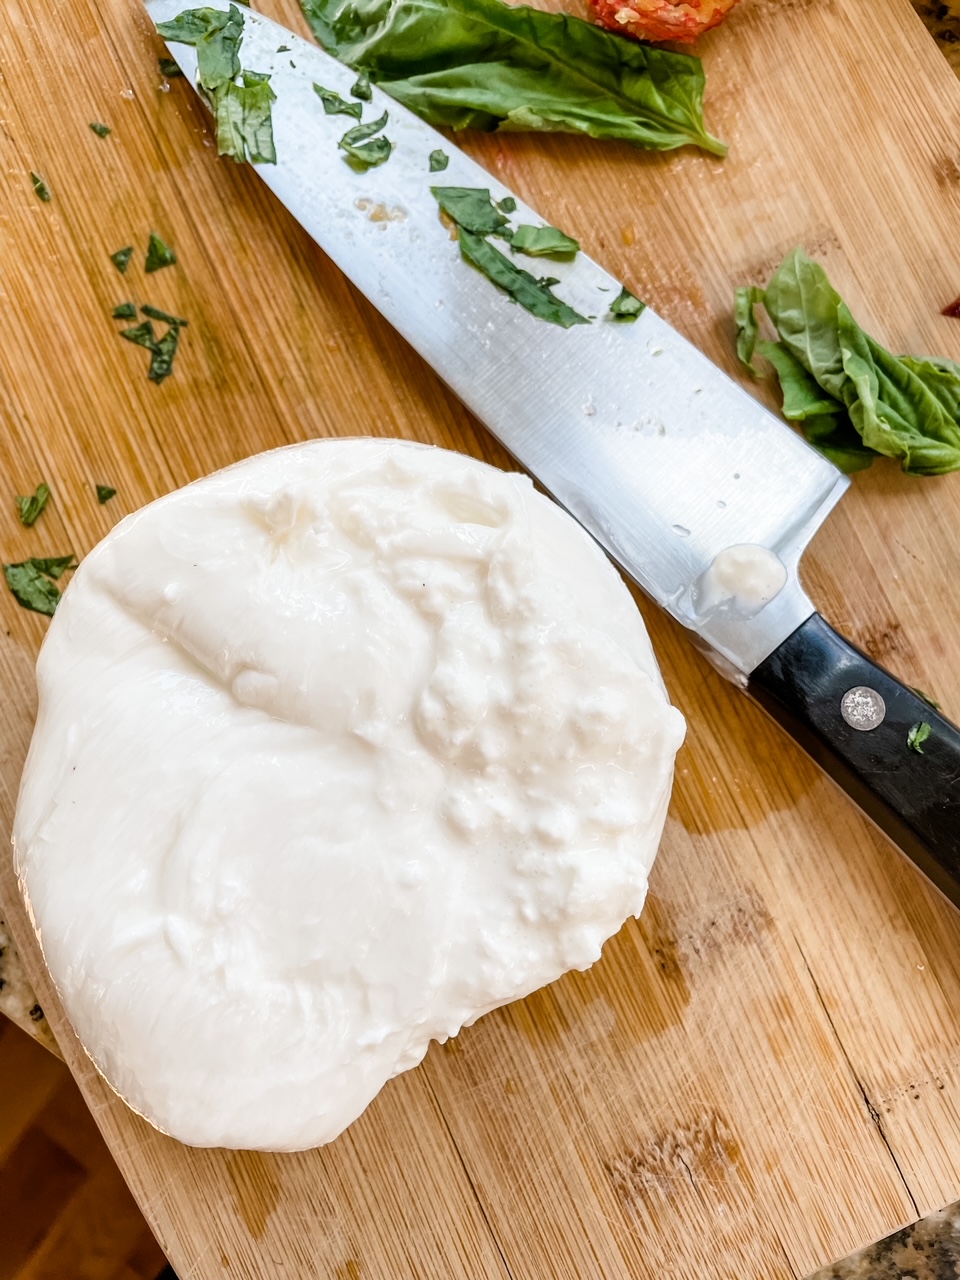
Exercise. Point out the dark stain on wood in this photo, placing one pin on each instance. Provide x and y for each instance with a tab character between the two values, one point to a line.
255	1187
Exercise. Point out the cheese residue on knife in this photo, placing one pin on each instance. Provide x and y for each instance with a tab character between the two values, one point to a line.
337	750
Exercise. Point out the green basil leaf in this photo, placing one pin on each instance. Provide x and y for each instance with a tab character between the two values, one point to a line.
40	188
162	354
30	507
156	314
361	88
105	493
101	130
471	208
142	335
438	161
543	242
533	295
121	259
746	301
917	735
158	254
53	566
31	589
507	205
244	119
483	64
901	407
363	154
625	306
334	105
215	35
169	68
125	311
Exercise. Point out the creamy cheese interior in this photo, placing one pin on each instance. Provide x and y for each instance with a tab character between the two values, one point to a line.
337	750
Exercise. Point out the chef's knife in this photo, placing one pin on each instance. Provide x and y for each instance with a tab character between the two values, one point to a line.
704	498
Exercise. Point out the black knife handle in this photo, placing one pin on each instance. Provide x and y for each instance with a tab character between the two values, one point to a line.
913	796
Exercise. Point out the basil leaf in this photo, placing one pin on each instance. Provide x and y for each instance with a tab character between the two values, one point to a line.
334	105
483	64
31	589
169	68
142	335
215	35
125	311
53	566
902	407
283	48
105	493
158	254
507	205
362	154
533	295
625	306
543	242
244	120
746	301
361	88
471	208
917	735
41	190
438	161
162	354
101	130
30	507
156	314
121	259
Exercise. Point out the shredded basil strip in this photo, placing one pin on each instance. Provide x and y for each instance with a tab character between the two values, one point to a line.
362	154
105	493
121	259
471	208
917	736
125	311
156	314
32	505
30	582
40	188
101	130
334	105
543	242
533	295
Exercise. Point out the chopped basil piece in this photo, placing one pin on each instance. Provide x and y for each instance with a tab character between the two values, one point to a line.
438	160
361	153
548	281
169	68
334	105
156	314
361	88
507	204
244	120
164	350
471	208
104	493
931	702
242	110
625	306
283	48
125	311
101	130
30	585
30	507
917	735
40	187
121	259
482	64
142	335
532	294
543	242
158	254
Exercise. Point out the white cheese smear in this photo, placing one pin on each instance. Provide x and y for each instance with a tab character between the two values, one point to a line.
337	750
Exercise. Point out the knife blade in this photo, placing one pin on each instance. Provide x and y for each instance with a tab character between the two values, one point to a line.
704	498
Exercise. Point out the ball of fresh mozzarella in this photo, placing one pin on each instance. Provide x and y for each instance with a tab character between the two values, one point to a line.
337	750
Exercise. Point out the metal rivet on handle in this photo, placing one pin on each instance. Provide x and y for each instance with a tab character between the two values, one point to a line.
863	708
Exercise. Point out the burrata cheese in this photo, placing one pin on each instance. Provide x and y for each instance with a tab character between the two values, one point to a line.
337	750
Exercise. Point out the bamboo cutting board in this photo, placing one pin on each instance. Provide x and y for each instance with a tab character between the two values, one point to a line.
764	1071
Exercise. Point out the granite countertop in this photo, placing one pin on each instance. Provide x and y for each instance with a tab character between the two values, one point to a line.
926	1250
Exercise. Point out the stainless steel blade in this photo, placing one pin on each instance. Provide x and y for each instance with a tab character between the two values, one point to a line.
664	459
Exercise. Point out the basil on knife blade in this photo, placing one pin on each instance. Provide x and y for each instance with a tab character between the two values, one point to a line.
854	399
482	64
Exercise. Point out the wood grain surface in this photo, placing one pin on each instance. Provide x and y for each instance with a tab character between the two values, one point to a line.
763	1072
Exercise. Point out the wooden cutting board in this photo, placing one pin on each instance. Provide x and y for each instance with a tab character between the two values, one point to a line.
764	1071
